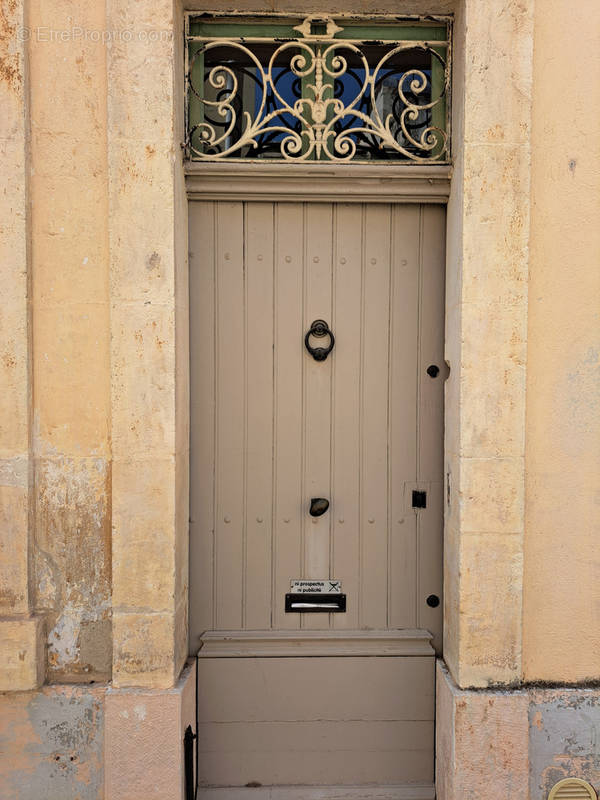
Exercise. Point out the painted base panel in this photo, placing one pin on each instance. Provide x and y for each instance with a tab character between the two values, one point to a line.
326	721
404	792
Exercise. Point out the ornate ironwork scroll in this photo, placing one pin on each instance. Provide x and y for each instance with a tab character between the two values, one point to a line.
317	97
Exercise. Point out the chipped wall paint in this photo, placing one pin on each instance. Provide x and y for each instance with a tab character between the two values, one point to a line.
564	738
514	744
72	558
52	744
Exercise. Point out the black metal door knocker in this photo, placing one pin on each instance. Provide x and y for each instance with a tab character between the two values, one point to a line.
319	328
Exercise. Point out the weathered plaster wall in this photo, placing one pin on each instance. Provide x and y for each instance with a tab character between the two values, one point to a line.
513	744
71	370
564	727
95	742
52	744
561	625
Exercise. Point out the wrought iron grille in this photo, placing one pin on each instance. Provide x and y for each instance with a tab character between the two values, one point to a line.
317	90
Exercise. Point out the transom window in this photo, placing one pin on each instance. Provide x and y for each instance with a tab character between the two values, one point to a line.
318	89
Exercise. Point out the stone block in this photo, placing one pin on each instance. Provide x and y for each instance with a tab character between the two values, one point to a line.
492	378
14	537
144	650
491	495
142	221
143	521
498	71
23	658
70	228
73	66
14	346
144	740
490	608
482	742
141	69
143	387
71	374
495	235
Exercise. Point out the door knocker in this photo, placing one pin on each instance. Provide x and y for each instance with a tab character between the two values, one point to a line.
319	328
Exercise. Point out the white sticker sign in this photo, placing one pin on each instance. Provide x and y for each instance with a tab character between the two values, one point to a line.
315	587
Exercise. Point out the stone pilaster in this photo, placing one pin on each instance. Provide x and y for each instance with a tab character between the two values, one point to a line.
20	633
148	258
488	218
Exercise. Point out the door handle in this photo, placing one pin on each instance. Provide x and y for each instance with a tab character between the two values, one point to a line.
319	329
318	506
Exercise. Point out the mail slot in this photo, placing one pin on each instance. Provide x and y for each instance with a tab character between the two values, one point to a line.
315	602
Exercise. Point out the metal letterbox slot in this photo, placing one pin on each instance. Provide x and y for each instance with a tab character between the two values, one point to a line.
321	602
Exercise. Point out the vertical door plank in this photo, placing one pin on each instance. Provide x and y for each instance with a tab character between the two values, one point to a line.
230	403
345	466
317	398
403	417
431	416
202	432
374	418
288	511
259	415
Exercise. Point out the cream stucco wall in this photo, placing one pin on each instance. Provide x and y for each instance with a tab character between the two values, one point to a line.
561	619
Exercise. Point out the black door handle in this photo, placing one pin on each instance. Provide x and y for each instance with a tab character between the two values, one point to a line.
318	506
319	328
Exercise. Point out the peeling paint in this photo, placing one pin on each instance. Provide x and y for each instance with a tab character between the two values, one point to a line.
52	744
11	68
14	471
72	558
564	730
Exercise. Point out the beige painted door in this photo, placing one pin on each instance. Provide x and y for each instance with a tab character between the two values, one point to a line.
294	698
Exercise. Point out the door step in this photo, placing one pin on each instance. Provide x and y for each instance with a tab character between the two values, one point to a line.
399	792
282	644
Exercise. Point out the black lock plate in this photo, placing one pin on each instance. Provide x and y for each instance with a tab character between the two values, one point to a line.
419	499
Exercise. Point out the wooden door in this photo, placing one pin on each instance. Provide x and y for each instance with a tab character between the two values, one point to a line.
293	698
